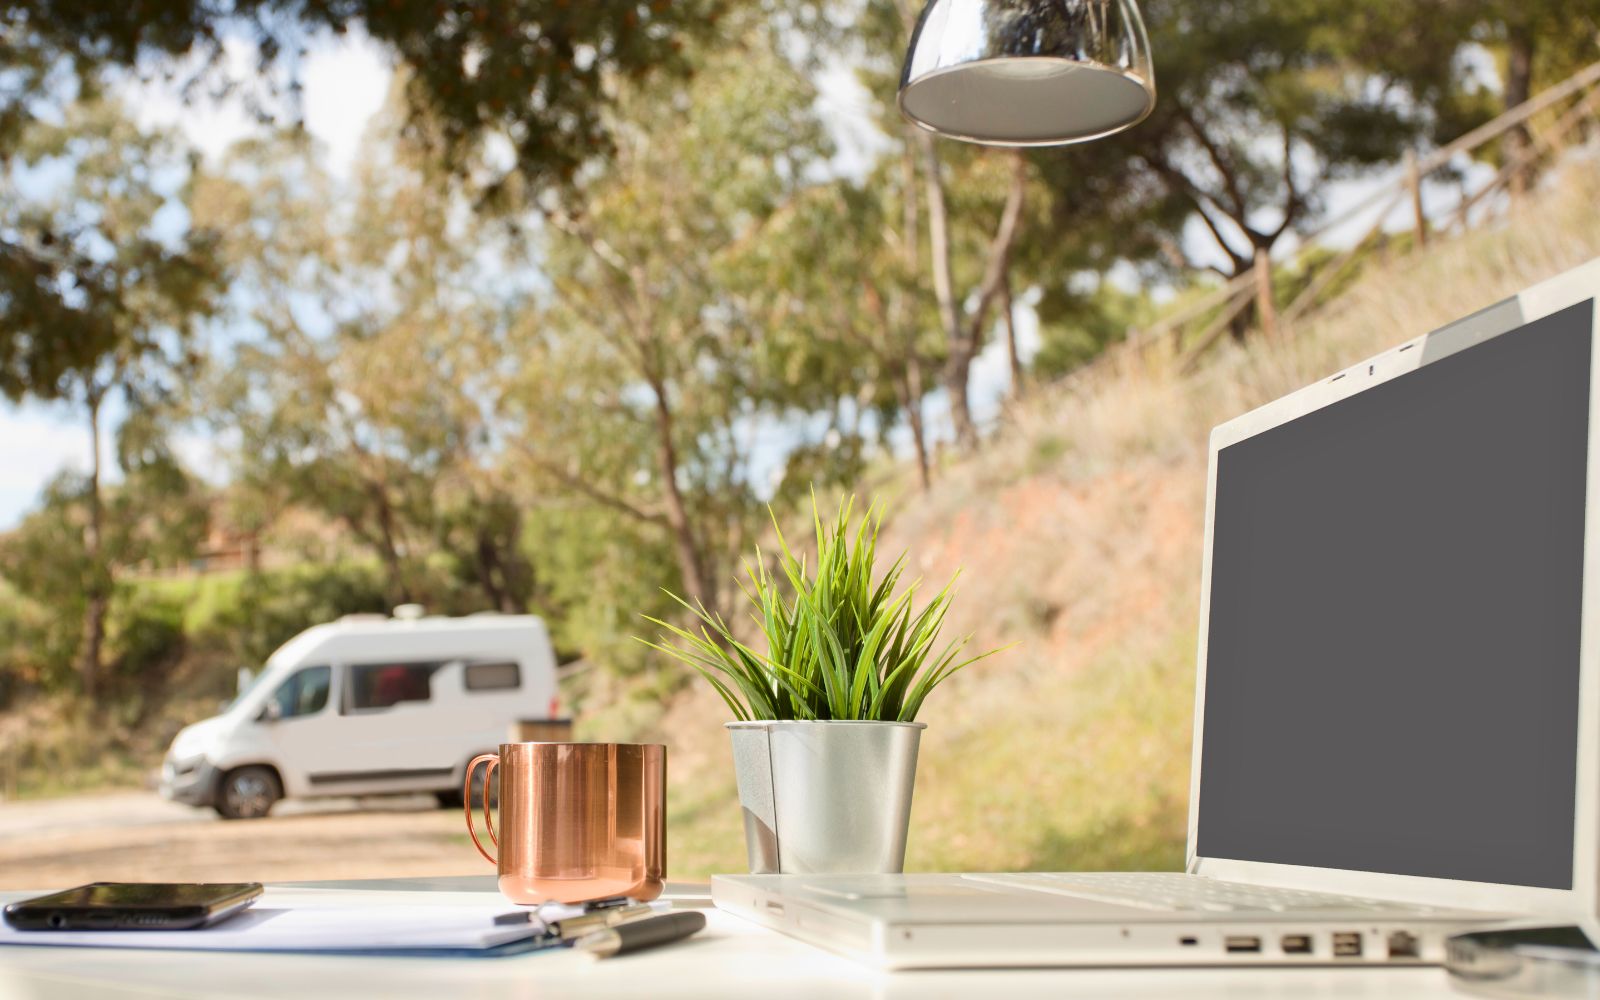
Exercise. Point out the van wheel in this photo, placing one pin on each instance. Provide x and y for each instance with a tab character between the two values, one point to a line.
248	793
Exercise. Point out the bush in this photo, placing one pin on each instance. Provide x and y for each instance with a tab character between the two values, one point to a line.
37	646
271	608
144	635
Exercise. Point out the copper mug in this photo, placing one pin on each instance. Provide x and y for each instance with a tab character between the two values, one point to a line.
578	821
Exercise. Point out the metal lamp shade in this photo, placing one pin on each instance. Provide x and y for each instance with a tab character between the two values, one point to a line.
1028	72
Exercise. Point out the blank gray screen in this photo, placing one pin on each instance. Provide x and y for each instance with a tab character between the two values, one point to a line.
1396	587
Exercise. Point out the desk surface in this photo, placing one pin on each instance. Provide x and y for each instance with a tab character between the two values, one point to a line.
729	958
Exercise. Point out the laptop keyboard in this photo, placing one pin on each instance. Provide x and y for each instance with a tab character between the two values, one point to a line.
1177	891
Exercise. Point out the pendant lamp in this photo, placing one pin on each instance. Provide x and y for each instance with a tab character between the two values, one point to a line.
1028	72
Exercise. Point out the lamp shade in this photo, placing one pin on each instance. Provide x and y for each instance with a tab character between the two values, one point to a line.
1028	72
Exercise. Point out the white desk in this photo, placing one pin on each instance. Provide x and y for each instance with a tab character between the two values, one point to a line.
729	958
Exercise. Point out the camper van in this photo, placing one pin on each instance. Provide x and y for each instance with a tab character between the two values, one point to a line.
368	705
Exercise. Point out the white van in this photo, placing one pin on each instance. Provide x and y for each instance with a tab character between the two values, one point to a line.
368	705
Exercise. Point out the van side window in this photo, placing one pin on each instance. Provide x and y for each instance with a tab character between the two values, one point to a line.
381	685
502	676
304	693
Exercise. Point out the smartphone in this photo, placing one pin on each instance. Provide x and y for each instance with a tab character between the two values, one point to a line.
133	906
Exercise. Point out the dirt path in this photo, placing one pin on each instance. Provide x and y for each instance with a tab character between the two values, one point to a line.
139	837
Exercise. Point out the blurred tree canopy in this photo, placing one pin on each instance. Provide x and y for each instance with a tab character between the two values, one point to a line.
364	377
534	74
534	71
96	303
642	382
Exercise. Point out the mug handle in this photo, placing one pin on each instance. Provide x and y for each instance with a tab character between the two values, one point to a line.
466	796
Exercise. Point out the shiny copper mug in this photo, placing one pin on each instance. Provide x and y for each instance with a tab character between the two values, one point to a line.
578	821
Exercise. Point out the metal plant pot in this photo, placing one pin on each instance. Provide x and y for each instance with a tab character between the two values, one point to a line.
825	796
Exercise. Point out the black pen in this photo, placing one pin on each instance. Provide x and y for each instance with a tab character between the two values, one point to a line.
639	934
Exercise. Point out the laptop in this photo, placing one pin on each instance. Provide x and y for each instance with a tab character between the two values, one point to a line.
1396	727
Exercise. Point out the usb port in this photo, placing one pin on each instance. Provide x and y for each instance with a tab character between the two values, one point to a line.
1347	944
1241	943
1296	944
1404	944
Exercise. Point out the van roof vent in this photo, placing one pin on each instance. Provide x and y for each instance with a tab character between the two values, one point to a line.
408	612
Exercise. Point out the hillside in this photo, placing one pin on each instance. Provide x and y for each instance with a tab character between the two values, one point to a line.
1078	533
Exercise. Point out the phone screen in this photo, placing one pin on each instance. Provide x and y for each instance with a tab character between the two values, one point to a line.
133	906
162	895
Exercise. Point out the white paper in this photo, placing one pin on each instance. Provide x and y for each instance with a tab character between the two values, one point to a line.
311	920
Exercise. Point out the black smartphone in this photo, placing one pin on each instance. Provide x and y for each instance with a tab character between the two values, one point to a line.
133	906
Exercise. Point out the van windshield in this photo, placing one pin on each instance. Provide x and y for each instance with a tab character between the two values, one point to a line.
245	691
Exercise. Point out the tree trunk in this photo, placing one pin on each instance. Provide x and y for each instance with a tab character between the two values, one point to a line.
97	592
487	560
1519	85
911	401
1018	385
911	385
389	549
959	363
966	338
691	562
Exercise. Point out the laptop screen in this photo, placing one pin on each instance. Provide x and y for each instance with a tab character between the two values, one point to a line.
1396	590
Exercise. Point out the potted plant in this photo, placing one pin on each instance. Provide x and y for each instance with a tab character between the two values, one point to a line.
825	734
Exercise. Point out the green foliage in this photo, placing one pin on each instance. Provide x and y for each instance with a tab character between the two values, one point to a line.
154	517
144	635
273	608
89	256
644	367
372	410
843	646
598	569
533	71
1075	327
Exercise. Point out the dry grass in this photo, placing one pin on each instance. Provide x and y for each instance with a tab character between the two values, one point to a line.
1078	530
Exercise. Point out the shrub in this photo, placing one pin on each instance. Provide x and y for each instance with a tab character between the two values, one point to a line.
271	608
144	634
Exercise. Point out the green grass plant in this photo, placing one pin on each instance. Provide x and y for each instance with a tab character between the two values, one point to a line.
841	645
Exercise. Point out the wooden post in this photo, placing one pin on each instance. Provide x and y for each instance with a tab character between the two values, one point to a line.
1414	183
541	731
1266	309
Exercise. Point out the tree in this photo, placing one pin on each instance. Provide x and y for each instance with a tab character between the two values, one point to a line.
965	328
102	272
973	208
1260	105
534	74
155	516
362	389
537	72
837	278
1538	42
640	380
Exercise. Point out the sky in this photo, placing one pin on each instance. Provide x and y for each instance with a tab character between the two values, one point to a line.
346	81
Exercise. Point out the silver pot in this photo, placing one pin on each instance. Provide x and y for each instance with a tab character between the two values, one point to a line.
825	796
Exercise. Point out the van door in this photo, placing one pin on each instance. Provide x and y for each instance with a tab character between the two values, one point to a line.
299	727
387	738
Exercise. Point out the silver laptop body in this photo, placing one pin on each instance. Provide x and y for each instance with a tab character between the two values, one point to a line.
1396	719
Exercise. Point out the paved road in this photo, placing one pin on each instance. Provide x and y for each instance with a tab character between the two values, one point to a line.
137	836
